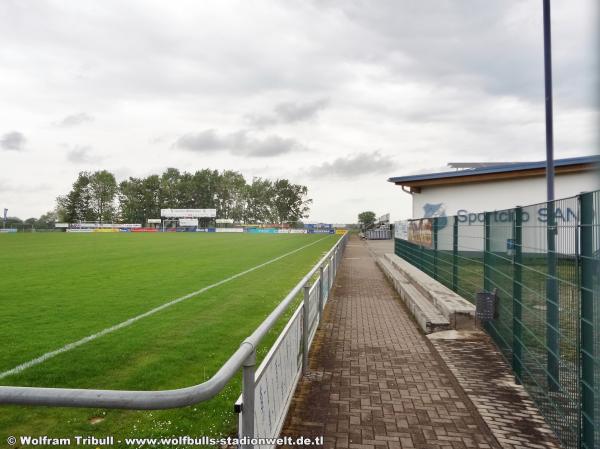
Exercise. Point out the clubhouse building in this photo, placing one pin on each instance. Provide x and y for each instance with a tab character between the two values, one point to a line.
477	187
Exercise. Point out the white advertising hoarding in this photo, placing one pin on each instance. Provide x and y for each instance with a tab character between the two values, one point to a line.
154	220
105	225
224	220
188	222
401	230
188	213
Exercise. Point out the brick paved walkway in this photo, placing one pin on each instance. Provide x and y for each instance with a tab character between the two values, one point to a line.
375	382
505	406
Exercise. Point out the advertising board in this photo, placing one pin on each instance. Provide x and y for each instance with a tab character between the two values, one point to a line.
419	232
188	222
188	213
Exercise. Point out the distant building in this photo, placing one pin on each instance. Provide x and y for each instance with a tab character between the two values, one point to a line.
489	187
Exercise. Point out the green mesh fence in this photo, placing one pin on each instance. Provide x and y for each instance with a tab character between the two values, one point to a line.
543	262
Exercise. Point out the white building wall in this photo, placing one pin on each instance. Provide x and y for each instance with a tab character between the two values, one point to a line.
498	195
469	201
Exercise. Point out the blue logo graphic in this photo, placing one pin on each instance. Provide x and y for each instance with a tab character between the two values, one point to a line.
432	210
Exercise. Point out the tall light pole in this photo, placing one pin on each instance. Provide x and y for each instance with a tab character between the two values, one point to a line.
552	297
549	114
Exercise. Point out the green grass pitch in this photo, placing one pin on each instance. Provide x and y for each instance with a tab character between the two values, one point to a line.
58	288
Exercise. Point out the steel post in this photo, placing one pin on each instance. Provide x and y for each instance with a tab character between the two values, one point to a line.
587	323
434	244
487	253
248	384
305	328
552	304
321	294
517	341
455	254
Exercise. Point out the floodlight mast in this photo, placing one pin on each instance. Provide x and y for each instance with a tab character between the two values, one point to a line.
549	112
552	297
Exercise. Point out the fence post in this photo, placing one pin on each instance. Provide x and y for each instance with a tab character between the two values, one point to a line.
587	324
421	256
455	254
305	327
552	304
487	253
517	341
434	244
248	384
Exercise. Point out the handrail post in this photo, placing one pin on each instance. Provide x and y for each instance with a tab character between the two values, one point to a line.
305	328
321	299
330	277
334	262
248	384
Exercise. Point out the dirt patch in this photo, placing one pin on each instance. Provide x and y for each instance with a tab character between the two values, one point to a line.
96	420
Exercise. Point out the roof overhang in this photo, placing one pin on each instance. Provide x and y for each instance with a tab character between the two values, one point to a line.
413	184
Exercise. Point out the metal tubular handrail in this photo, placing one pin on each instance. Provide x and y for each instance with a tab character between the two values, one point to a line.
160	399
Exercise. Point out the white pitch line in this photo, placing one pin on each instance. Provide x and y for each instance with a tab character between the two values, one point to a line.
130	321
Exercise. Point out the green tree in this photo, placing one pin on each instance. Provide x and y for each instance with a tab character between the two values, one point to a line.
102	191
289	201
169	188
76	205
93	196
204	186
131	205
13	222
47	220
139	199
259	196
230	195
366	219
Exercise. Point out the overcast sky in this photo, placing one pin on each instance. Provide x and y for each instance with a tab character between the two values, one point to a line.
337	95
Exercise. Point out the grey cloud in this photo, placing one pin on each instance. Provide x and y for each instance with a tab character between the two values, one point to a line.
239	143
9	187
13	141
75	119
496	48
206	140
289	112
354	165
296	112
82	154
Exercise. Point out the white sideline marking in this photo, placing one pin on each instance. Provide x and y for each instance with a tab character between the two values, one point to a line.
130	321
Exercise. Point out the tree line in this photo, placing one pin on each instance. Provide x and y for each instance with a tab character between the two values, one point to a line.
96	196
